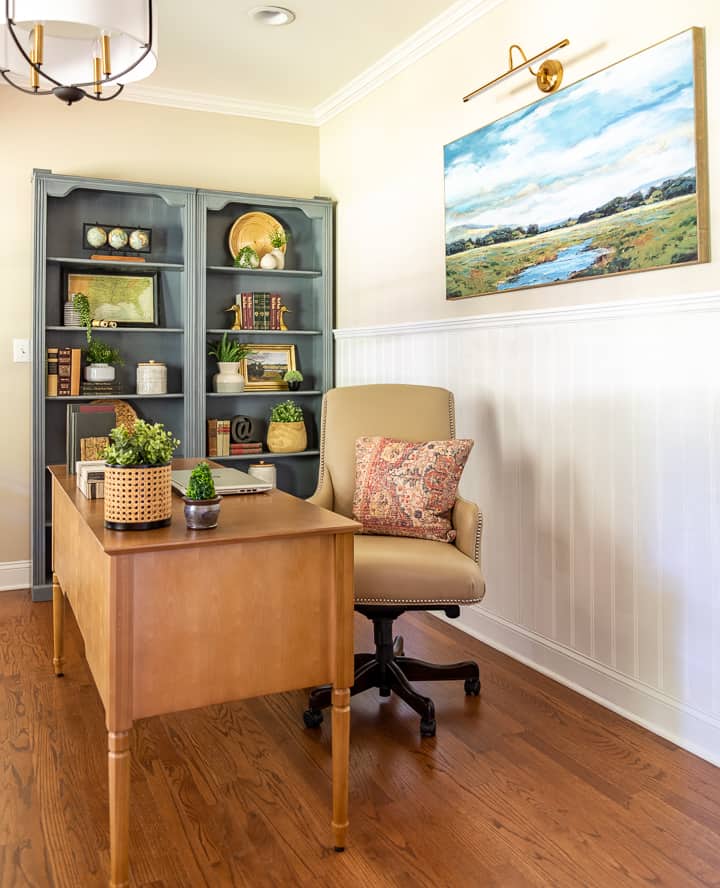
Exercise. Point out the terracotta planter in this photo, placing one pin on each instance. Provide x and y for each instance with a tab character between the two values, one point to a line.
286	437
138	497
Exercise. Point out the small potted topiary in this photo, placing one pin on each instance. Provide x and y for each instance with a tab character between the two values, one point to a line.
100	361
286	431
293	378
228	353
138	491
202	504
247	257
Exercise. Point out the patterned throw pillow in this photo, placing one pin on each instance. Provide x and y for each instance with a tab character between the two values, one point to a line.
408	488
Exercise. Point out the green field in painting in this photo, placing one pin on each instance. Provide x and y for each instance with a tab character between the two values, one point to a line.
650	236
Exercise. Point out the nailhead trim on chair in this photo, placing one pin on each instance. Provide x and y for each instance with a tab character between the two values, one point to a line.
438	601
451	411
478	537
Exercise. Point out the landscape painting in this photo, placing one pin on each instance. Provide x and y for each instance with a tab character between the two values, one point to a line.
605	176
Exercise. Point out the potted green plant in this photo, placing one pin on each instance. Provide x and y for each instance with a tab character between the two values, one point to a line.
100	361
138	492
286	431
278	242
247	257
293	378
202	504
228	353
81	305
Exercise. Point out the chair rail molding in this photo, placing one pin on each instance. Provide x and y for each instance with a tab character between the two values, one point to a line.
597	434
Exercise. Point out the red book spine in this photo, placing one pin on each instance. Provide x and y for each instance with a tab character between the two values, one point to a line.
275	312
247	311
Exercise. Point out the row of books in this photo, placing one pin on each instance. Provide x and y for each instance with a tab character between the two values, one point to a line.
220	443
260	311
63	371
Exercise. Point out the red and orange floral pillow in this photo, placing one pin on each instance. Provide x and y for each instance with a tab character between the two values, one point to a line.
408	488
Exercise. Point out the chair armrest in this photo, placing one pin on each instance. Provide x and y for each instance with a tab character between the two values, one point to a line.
467	520
324	495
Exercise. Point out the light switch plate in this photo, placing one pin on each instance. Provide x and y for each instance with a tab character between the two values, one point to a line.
21	351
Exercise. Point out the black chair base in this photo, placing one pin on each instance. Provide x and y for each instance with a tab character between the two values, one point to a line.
389	670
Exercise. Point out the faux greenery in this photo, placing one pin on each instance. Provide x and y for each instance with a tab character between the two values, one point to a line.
247	257
201	485
286	411
228	350
101	353
145	445
81	304
293	376
278	239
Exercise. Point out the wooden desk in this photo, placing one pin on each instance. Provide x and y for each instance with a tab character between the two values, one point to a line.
175	619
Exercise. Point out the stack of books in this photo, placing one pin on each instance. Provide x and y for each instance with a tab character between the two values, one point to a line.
63	372
260	311
246	448
218	437
91	478
100	389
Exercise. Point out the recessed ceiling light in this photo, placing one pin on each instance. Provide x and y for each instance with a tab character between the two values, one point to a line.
272	15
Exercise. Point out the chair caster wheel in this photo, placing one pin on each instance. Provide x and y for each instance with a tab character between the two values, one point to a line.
313	718
384	692
472	687
427	727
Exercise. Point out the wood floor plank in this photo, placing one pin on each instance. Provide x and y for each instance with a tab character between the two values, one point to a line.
528	785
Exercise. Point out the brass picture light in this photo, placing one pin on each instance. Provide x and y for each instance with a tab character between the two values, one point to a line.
548	75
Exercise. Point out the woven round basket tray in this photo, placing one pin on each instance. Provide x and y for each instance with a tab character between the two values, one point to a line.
138	498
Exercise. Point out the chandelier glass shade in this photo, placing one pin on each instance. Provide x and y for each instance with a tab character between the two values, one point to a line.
76	48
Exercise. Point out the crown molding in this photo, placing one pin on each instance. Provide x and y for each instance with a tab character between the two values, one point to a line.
187	101
456	18
708	301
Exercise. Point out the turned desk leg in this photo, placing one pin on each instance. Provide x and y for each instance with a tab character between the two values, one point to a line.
58	627
119	786
340	764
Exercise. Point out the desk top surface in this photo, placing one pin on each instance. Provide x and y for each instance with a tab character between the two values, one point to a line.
243	518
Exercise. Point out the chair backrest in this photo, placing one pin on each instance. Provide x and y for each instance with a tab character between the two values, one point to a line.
408	412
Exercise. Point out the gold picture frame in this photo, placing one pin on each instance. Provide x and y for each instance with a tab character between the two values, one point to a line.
265	365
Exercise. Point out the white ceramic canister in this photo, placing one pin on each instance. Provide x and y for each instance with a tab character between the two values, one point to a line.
263	472
151	378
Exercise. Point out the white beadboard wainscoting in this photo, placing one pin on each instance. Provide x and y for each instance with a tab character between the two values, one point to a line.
596	465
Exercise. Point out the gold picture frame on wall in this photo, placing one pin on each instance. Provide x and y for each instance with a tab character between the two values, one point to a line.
606	176
265	365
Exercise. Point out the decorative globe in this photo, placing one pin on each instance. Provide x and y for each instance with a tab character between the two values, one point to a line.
118	238
96	236
138	240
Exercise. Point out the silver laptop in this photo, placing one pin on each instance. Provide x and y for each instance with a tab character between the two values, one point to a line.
226	481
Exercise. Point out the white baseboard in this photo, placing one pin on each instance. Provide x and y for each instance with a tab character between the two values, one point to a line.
14	575
689	728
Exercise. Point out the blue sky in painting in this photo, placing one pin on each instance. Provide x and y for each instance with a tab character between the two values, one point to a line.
608	135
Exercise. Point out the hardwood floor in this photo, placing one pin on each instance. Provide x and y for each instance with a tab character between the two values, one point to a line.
531	784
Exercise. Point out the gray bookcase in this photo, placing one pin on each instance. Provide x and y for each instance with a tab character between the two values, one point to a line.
196	283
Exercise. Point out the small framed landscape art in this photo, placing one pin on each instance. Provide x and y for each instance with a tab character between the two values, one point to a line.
606	176
128	299
265	366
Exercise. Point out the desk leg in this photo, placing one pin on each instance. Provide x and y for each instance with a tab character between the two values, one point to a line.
119	784
340	764
58	627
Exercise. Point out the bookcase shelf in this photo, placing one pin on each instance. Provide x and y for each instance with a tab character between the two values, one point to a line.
195	286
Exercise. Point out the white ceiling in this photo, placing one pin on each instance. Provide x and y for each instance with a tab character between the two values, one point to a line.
213	56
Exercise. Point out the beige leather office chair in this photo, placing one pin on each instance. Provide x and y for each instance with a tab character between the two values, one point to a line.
398	574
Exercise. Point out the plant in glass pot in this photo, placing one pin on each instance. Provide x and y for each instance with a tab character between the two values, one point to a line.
228	353
100	361
286	431
202	504
138	492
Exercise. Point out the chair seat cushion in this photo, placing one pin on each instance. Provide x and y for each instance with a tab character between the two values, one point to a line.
397	570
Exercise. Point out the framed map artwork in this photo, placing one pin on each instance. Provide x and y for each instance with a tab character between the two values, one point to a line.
127	299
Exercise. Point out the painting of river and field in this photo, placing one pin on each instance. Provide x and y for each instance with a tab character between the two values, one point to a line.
605	176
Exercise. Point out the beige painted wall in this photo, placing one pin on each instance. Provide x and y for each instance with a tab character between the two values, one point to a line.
120	140
383	158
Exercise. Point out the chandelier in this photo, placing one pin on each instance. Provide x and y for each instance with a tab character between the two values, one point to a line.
76	48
